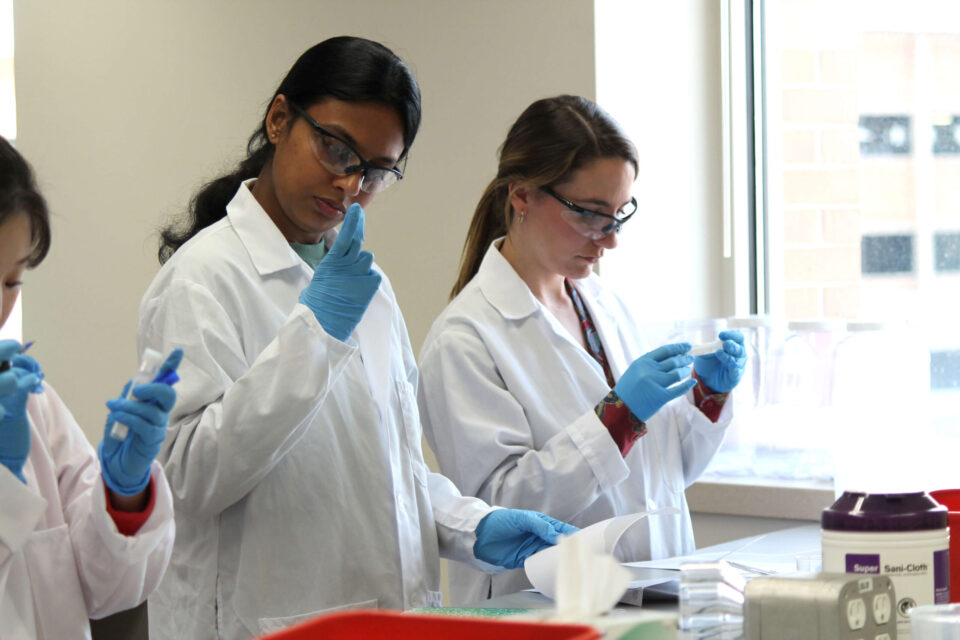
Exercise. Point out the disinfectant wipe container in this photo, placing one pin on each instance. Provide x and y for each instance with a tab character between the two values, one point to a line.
902	535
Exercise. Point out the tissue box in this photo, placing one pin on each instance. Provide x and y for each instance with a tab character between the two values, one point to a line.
623	624
384	625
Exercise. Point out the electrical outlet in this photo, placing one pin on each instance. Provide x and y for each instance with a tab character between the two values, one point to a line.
882	608
823	606
856	614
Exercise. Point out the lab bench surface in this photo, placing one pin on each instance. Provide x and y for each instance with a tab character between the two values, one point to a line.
796	540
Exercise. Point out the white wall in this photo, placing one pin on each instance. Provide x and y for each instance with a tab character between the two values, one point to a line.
658	74
125	108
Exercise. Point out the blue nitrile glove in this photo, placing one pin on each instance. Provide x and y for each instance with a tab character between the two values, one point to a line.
722	369
343	283
507	537
646	384
16	385
125	464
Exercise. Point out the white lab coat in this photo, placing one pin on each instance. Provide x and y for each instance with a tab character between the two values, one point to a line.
295	461
62	560
507	402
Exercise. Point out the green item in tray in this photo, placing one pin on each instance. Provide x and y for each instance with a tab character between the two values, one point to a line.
467	613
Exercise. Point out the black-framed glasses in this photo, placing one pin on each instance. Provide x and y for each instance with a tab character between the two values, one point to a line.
337	156
592	224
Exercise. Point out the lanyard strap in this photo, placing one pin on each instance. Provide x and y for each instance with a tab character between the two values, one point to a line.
590	335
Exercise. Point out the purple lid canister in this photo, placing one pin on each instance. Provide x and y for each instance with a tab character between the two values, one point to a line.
884	512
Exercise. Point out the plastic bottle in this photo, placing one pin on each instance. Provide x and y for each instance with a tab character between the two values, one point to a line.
902	535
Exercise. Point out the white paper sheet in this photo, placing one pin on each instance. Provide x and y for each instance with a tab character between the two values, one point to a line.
755	563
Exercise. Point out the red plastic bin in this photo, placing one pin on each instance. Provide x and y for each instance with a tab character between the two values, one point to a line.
388	625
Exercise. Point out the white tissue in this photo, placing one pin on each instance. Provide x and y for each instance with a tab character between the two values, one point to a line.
588	583
581	573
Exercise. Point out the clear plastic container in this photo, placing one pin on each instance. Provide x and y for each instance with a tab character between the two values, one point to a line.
793	440
710	601
803	364
936	622
736	456
757	335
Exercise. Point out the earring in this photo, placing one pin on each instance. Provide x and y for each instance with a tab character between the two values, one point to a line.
523	214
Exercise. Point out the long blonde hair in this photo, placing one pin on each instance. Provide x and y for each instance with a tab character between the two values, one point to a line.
550	140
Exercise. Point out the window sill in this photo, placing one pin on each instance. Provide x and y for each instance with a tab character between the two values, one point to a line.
761	499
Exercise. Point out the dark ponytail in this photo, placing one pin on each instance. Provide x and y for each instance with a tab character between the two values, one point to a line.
550	140
346	68
19	194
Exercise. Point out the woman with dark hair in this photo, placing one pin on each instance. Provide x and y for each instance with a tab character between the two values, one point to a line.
80	537
535	386
294	452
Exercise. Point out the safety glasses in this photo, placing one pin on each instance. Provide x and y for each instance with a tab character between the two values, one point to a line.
592	224
337	156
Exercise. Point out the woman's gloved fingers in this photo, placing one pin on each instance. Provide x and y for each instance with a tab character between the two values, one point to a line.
341	245
668	378
358	234
667	351
528	548
144	410
675	362
8	383
364	262
25	362
159	394
171	363
735	349
680	389
561	527
28	382
148	431
535	523
8	349
731	334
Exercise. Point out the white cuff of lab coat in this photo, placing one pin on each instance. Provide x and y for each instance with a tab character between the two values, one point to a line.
456	517
599	450
20	510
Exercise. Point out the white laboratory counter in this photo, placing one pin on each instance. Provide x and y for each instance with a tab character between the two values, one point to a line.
797	540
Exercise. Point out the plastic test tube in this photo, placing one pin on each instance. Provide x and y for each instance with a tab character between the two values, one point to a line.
149	366
705	349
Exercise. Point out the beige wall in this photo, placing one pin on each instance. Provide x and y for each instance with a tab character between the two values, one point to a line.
124	108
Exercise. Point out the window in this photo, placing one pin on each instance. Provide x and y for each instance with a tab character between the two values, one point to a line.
947	136
884	135
886	254
946	251
859	211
